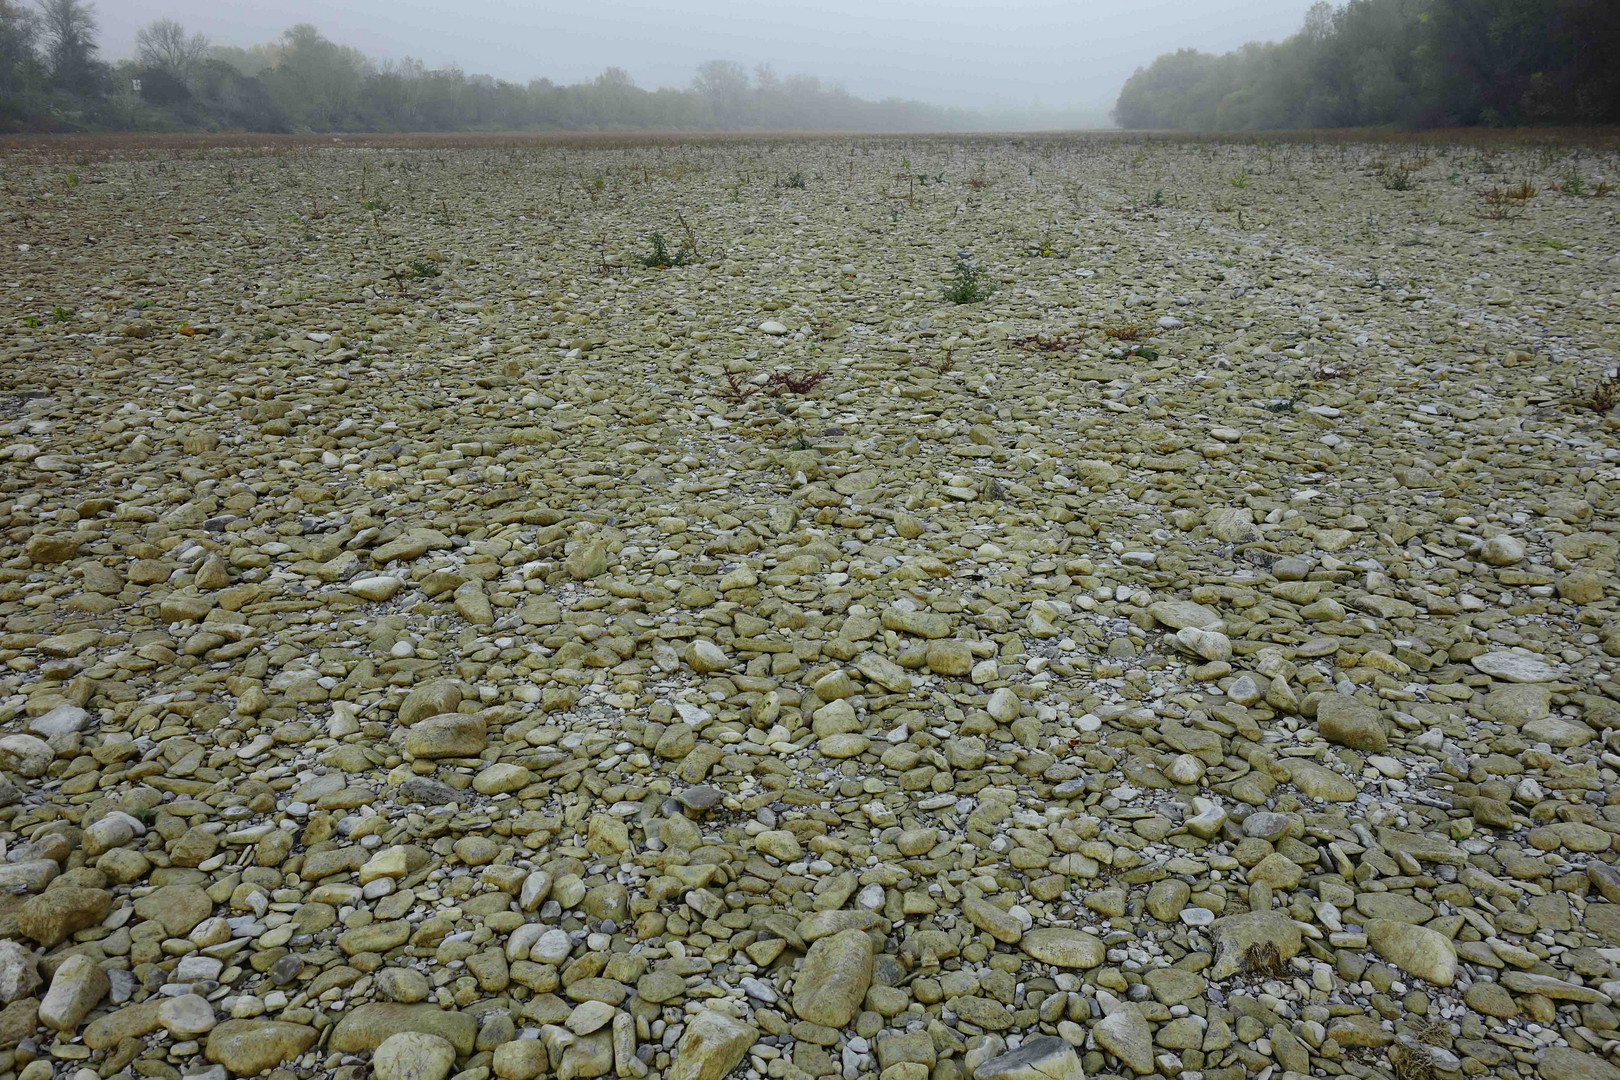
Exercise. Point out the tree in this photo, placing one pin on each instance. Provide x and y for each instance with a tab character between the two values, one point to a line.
164	44
724	85
70	43
18	31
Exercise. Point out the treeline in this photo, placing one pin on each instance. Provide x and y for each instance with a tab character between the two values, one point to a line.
1415	63
51	78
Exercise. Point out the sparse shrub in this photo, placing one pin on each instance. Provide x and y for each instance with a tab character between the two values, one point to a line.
422	269
31	321
736	389
968	284
661	258
1158	197
792	382
1523	193
1572	184
1605	394
1411	1062
1038	343
1499	204
779	383
1330	372
1131	332
1397	178
1265	960
61	315
1239	179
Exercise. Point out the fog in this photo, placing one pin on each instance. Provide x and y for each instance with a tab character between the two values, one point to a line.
1058	53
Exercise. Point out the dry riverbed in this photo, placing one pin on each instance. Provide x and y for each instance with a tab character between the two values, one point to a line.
437	643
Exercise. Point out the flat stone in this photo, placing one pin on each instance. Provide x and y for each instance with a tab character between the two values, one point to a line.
1064	948
1042	1057
413	1055
1416	950
363	1028
1511	665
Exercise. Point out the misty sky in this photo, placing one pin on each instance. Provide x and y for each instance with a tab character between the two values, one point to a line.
954	52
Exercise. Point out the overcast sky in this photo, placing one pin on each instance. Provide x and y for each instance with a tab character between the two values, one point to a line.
955	52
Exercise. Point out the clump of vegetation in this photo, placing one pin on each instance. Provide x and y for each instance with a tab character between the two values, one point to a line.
1605	394
661	258
1330	372
780	382
795	179
1397	178
1499	204
1131	332
61	315
422	269
1239	179
1523	193
968	284
1265	960
1411	1063
1039	343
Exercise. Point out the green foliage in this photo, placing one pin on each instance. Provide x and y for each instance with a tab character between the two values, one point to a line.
61	315
1377	62
1239	179
1396	178
51	79
422	269
661	258
31	321
968	284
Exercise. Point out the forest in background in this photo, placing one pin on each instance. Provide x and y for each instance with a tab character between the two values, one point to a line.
1408	63
52	78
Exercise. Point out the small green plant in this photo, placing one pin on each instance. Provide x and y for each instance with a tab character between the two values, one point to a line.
661	258
1572	184
968	284
1397	178
795	179
1239	179
72	179
422	269
31	321
61	315
1158	197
